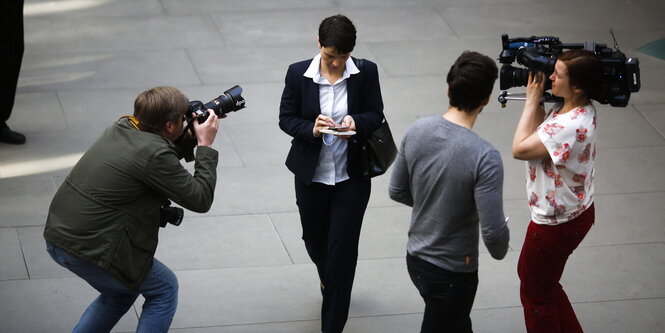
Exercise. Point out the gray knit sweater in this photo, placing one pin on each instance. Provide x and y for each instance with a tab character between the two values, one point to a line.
453	179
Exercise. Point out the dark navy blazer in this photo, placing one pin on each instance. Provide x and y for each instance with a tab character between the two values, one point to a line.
300	107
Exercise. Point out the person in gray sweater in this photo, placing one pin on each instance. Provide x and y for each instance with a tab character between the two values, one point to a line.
453	179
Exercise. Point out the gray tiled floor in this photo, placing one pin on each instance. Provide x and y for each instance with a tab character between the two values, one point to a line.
242	267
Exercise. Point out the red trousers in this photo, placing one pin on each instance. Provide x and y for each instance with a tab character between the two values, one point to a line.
542	260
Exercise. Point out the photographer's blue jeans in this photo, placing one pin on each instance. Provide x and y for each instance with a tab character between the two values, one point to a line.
160	290
448	296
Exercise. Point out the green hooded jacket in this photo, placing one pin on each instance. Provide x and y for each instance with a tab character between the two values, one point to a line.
107	211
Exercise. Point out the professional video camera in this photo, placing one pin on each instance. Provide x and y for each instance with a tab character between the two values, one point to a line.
621	75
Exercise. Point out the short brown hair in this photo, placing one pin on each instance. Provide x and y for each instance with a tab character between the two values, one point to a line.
470	80
584	71
155	107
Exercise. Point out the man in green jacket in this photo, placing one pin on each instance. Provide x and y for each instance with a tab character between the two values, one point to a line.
104	220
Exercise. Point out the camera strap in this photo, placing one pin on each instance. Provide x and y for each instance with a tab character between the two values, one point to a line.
137	124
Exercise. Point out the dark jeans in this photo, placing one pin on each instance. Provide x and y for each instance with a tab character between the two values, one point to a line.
448	296
331	218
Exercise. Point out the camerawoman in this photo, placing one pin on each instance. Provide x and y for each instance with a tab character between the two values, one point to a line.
104	220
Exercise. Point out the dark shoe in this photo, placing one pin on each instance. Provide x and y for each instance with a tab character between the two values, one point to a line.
9	136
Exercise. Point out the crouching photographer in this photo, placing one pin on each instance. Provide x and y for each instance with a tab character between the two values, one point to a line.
104	220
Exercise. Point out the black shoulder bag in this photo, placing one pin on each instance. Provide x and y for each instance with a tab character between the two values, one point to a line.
378	150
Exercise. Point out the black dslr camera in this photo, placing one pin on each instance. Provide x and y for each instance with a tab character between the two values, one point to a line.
621	75
230	101
169	214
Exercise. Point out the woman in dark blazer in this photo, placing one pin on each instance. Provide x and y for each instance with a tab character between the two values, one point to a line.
328	91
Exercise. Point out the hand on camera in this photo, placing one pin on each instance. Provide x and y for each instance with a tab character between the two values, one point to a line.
206	131
535	86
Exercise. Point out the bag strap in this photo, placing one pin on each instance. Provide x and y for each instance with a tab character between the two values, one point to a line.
360	64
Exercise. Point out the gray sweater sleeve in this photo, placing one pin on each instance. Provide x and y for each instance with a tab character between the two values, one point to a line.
399	188
489	202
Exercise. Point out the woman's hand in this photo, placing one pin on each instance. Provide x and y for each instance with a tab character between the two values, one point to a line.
526	143
350	123
535	87
322	122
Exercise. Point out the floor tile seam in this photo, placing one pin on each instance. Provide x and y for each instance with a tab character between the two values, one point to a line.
247	324
267	10
281	239
297	321
601	149
637	109
223	268
227	46
120	50
443	19
402	76
637	105
237	152
218	30
618	300
621	244
191	63
626	193
591	246
579	302
92	87
25	263
649	145
62	110
139	17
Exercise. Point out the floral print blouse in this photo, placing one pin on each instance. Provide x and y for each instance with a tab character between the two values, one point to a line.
560	186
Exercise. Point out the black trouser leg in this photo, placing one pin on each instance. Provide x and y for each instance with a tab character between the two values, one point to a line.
11	39
331	217
448	296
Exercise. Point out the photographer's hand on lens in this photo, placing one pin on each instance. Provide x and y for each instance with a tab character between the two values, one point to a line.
206	131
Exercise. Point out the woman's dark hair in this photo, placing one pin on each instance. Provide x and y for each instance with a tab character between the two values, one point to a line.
338	31
470	80
157	106
584	71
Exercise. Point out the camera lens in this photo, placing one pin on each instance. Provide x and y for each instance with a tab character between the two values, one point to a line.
230	101
513	77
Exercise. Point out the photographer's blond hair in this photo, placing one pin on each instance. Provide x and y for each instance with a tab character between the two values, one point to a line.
155	107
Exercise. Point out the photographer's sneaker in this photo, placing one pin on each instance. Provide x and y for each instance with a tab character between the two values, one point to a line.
9	136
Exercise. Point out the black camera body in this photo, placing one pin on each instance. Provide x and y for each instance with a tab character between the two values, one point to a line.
170	214
230	101
621	75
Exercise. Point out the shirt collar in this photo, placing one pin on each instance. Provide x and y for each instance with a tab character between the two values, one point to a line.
314	73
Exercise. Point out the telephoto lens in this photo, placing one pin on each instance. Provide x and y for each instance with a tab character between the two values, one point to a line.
230	101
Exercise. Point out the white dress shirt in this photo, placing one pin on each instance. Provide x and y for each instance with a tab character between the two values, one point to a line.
334	104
